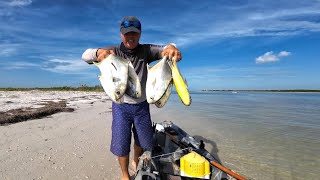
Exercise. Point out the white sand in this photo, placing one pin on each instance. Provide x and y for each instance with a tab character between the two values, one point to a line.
21	99
62	146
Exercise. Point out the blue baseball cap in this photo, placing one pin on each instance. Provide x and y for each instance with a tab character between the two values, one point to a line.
130	24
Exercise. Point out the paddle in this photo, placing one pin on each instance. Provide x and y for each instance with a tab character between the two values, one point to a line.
217	165
228	171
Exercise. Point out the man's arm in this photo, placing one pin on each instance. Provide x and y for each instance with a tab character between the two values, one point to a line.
94	55
90	56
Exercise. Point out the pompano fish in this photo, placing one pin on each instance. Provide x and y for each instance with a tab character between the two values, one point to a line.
180	83
134	85
114	76
159	77
110	91
162	101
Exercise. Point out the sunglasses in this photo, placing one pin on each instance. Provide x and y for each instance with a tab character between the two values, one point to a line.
135	24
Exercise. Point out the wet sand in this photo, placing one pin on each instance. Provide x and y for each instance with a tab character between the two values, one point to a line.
64	145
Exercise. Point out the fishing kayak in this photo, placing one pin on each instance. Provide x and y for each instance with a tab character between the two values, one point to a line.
177	155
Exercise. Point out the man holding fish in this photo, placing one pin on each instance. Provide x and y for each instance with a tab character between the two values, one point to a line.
132	114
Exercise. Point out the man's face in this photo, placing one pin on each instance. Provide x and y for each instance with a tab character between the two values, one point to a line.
130	39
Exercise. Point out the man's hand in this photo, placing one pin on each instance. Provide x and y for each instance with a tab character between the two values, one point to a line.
104	53
172	52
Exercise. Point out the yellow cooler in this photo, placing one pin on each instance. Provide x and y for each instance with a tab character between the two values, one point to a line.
194	165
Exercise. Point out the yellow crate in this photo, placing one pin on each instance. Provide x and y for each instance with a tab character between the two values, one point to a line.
194	165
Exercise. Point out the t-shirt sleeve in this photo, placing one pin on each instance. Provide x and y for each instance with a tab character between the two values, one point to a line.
154	52
90	55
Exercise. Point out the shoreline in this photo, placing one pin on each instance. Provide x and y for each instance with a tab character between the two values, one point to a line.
76	145
271	91
65	145
100	90
60	145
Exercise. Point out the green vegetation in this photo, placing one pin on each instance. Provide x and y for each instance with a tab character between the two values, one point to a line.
96	88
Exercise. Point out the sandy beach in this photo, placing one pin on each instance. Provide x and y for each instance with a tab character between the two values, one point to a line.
75	144
65	145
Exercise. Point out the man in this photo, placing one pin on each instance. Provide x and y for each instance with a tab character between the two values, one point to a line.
133	114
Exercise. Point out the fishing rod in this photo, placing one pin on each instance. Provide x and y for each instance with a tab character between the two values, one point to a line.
217	165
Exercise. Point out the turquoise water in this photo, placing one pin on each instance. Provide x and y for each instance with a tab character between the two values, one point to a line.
259	135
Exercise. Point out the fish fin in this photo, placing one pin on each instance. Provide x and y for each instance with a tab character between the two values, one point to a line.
97	63
170	63
165	58
116	79
130	64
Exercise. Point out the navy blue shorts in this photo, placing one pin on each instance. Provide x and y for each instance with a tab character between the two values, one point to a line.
127	118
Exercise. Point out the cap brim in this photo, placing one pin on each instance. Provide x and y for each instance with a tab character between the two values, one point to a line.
130	29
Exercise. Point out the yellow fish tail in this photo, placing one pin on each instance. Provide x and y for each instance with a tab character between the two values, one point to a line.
180	84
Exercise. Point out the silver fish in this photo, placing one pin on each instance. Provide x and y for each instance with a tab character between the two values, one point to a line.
162	101
114	76
134	85
158	80
111	92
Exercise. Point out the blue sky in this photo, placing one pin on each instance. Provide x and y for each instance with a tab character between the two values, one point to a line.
260	44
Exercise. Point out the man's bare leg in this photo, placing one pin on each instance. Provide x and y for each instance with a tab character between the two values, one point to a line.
124	163
137	152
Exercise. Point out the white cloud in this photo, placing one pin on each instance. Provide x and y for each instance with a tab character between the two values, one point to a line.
267	57
284	53
61	66
7	51
271	57
250	20
20	3
9	65
66	66
192	26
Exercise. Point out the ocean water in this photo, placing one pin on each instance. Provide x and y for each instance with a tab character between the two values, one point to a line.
258	135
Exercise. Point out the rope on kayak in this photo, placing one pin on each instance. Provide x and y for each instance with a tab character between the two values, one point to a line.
169	153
